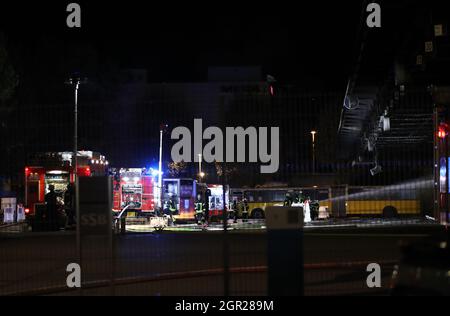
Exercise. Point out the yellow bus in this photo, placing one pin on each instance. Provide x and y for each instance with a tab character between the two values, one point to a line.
385	201
382	201
345	201
259	199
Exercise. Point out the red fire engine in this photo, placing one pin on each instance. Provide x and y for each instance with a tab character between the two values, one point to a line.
56	169
216	206
184	192
135	188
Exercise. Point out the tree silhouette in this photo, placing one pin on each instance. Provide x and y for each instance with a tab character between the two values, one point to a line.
8	77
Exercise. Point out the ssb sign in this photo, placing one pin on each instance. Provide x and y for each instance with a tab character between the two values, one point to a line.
95	205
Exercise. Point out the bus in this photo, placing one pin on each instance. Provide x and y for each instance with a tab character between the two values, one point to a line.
389	201
397	200
259	199
347	201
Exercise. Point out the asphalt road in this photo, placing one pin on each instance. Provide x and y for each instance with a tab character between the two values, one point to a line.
190	263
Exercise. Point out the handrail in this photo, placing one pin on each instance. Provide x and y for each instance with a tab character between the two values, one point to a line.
121	212
119	217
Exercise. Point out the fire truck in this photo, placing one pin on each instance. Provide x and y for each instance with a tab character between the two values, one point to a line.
135	189
56	168
216	206
184	192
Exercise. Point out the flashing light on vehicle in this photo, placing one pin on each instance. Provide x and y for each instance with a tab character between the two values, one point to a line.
84	171
155	172
443	130
56	172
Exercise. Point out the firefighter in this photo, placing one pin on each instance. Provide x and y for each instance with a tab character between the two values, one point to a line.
170	208
199	210
51	211
234	209
288	199
297	199
69	205
300	200
301	197
243	209
246	208
314	206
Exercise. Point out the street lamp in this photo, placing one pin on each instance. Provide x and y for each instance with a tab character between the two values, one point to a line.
200	173
75	81
313	135
162	128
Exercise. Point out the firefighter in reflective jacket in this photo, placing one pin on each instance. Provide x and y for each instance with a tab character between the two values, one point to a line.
199	210
243	209
288	199
171	208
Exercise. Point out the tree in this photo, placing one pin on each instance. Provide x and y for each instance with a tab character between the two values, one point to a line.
8	83
9	80
177	168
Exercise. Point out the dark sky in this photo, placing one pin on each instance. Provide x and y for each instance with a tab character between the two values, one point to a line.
176	41
311	44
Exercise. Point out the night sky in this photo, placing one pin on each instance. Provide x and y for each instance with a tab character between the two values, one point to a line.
313	43
312	46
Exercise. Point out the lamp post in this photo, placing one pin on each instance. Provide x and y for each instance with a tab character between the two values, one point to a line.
162	129
160	168
200	173
313	135
75	81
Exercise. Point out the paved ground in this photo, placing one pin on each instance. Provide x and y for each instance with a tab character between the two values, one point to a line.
190	263
254	225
